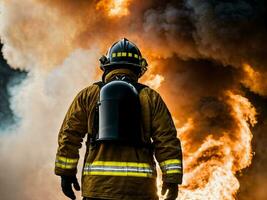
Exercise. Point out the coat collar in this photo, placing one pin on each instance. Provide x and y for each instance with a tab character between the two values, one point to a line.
116	72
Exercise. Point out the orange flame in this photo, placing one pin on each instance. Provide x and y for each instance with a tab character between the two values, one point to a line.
255	80
114	8
154	81
210	171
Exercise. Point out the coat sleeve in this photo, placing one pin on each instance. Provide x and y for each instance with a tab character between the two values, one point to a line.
167	146
70	137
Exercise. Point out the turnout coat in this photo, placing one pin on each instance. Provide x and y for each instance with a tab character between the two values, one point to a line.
113	171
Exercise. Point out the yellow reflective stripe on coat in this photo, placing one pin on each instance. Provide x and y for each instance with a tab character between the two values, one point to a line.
172	166
66	163
110	173
113	168
119	164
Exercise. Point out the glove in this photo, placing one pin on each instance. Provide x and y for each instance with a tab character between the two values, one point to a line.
172	190
66	185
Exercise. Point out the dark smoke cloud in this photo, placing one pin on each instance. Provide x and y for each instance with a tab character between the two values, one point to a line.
191	75
231	32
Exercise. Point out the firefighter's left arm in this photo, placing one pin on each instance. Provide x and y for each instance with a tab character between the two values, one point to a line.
167	146
70	137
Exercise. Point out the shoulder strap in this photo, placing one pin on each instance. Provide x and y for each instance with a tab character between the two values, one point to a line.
139	86
95	127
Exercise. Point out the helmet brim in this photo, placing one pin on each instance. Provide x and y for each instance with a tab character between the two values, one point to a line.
119	65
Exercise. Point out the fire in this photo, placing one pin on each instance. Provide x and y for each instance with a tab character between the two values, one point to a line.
254	79
210	170
154	81
245	114
251	76
114	8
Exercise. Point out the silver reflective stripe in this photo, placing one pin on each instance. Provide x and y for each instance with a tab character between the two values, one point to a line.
114	168
122	169
172	166
66	163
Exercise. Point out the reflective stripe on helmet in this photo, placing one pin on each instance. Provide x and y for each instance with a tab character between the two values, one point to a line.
66	163
171	166
111	168
125	54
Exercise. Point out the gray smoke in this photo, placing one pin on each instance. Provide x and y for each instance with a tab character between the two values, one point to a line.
230	32
8	79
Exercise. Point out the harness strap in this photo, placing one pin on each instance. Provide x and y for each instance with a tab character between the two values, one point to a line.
95	126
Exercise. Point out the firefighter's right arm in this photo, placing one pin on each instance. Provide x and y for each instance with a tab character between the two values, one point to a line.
70	137
167	146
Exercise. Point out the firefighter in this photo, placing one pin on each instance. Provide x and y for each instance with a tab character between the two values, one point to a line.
127	124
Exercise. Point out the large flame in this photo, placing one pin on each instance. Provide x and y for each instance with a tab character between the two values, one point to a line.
210	170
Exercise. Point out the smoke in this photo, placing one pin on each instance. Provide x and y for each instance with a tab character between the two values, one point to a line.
8	79
230	32
41	102
199	53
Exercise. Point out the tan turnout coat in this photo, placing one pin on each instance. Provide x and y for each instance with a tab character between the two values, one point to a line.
120	172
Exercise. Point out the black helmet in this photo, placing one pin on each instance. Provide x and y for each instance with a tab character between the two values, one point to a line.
124	54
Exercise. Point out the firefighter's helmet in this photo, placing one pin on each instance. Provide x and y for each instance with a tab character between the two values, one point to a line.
124	54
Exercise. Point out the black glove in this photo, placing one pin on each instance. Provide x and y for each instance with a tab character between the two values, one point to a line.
66	185
172	190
